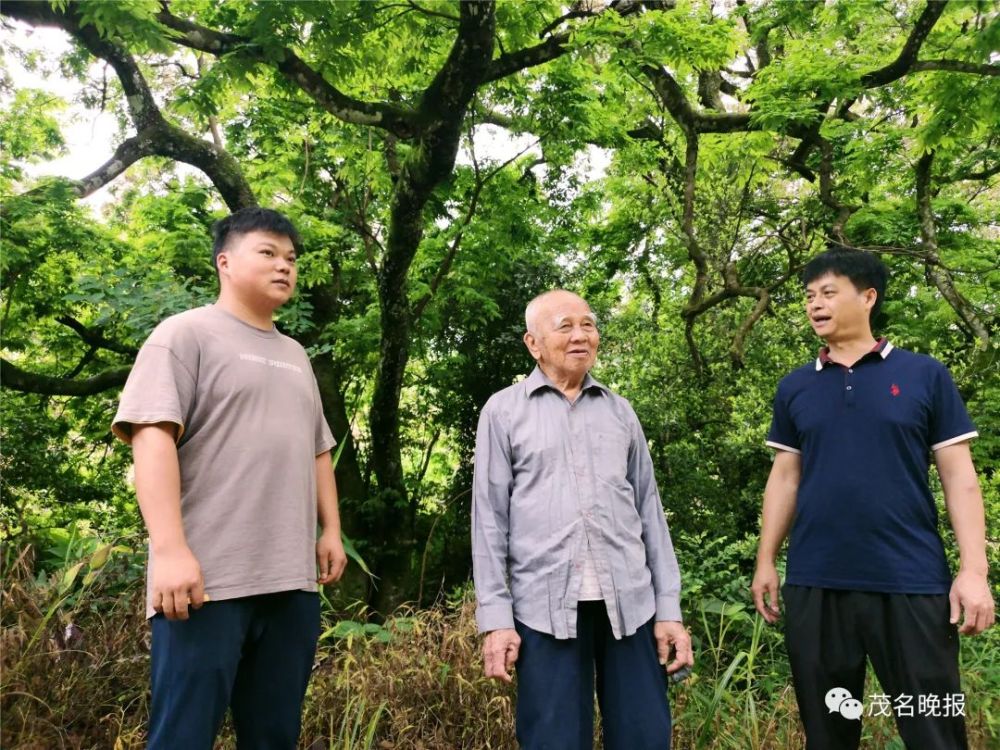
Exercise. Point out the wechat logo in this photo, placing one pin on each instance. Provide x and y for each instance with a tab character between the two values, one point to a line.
840	701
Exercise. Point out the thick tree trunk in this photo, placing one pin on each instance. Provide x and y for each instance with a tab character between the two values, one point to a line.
442	111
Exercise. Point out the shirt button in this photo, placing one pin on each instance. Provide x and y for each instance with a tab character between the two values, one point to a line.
849	369
848	387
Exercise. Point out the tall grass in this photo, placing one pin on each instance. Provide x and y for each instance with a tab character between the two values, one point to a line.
75	657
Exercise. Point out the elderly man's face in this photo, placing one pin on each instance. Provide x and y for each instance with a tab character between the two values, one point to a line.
565	336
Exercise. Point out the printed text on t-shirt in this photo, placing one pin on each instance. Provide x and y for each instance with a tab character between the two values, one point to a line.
271	362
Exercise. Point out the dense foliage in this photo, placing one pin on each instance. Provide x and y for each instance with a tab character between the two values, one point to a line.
673	161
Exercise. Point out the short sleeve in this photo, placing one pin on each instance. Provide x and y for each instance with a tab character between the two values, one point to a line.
160	388
323	435
783	436
950	422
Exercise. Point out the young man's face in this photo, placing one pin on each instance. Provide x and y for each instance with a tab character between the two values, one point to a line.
837	309
259	267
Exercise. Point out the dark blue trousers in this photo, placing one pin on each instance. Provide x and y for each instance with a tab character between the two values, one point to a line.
253	655
556	680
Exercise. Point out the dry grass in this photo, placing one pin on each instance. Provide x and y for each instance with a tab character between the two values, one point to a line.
75	675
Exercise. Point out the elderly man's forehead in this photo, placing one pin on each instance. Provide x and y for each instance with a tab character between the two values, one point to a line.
563	303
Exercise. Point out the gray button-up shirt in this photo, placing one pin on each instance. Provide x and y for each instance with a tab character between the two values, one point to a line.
550	477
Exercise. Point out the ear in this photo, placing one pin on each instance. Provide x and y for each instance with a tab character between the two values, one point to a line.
532	344
870	296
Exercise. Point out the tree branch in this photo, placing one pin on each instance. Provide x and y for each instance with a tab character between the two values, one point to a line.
391	117
568	16
956	66
529	57
935	271
155	135
908	55
95	337
690	119
16	379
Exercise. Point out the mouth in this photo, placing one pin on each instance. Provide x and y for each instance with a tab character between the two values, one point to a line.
819	320
578	352
282	282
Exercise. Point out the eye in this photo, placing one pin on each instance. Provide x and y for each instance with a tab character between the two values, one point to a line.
292	259
268	253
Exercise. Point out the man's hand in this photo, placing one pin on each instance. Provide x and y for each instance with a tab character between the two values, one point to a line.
765	588
971	592
177	582
500	649
330	557
672	639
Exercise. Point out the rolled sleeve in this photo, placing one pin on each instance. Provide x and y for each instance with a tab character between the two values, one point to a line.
491	487
660	557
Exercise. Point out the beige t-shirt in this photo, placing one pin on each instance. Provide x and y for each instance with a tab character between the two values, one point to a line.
250	427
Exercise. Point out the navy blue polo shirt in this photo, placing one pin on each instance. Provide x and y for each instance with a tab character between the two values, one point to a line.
865	517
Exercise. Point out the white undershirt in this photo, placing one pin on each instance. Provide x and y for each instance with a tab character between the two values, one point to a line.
590	586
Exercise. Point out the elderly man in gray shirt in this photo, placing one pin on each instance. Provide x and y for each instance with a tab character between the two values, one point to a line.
574	569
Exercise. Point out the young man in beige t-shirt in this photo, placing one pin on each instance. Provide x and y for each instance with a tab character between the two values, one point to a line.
232	472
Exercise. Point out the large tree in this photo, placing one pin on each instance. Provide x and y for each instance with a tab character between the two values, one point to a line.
741	138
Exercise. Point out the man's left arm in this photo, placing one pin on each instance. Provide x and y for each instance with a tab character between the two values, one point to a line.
330	554
970	591
672	639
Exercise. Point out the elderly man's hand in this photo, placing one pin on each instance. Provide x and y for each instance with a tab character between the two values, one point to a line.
673	640
500	648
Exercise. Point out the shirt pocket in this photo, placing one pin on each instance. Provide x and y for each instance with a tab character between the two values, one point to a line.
611	456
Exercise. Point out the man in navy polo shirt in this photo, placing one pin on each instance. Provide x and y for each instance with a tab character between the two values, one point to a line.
866	574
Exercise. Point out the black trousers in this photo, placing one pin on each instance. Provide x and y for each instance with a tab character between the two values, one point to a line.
556	680
913	649
253	655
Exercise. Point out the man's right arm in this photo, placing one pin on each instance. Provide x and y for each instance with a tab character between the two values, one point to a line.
491	487
779	510
176	574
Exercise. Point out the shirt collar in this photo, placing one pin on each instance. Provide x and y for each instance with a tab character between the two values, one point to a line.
538	379
882	347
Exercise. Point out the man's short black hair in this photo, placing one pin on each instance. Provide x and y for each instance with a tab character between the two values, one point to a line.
865	270
252	219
